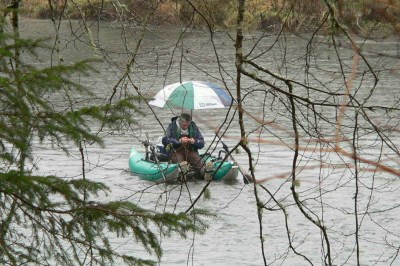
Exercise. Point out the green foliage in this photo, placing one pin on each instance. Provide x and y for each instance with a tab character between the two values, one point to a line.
46	220
27	101
50	212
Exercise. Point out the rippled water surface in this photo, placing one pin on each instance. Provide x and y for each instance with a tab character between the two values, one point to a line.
233	237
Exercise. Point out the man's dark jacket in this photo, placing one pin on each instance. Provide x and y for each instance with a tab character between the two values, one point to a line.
173	134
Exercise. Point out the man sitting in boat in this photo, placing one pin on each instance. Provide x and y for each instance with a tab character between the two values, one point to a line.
183	139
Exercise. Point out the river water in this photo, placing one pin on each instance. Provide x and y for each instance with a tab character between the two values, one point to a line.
233	237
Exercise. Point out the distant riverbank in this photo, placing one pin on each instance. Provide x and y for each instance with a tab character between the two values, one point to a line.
306	16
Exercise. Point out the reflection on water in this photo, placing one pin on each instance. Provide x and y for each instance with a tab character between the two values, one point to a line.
234	236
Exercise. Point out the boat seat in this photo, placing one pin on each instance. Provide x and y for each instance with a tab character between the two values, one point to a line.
158	154
162	157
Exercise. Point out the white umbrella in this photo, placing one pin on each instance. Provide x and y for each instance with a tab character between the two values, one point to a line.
192	95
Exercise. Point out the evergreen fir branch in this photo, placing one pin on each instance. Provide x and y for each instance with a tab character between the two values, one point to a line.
47	220
53	210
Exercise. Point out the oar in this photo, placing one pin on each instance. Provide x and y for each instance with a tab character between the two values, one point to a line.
247	178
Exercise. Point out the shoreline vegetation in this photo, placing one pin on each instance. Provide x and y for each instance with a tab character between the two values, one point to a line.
364	17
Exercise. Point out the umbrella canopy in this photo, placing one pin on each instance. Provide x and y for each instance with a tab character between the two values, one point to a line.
192	95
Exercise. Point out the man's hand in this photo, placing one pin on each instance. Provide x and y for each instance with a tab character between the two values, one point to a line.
185	140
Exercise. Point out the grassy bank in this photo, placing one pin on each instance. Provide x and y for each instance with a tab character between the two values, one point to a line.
361	16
